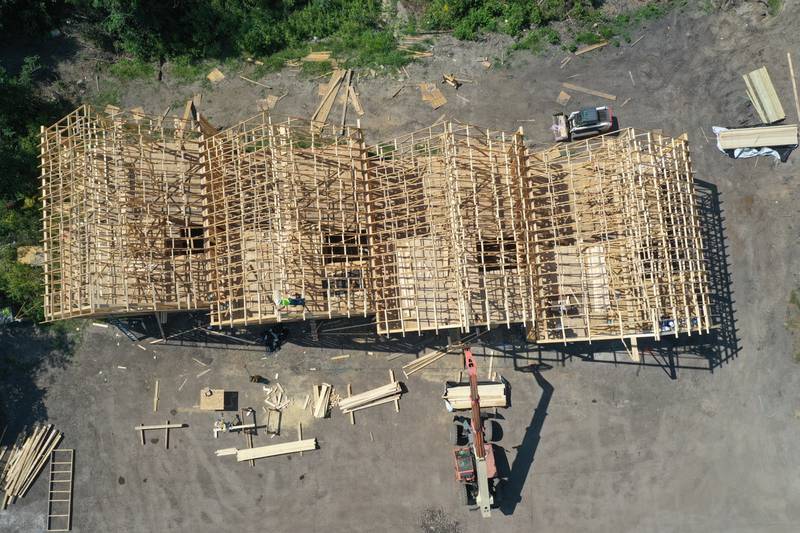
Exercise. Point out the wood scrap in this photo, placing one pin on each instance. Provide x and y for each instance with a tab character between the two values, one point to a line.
589	91
763	96
99	324
451	80
354	100
589	48
349	395
637	40
794	84
155	398
321	406
255	82
563	98
625	102
347	84
565	61
215	76
317	57
432	95
339	357
320	116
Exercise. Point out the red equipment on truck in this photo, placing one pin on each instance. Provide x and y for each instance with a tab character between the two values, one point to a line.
474	463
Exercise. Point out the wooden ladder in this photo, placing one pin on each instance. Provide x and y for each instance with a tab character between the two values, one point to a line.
59	500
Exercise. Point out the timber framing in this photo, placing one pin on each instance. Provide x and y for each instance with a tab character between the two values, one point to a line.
616	240
122	215
447	230
284	215
450	227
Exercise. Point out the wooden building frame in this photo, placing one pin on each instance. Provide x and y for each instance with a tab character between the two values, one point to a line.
122	215
617	246
284	216
450	227
448	230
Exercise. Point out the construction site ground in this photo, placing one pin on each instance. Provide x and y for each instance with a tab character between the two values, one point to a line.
595	443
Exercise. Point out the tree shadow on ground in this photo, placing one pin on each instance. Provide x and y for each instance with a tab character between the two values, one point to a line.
25	352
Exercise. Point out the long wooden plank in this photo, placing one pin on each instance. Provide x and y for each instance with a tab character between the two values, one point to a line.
372	404
276	449
758	137
763	96
160	426
794	85
578	88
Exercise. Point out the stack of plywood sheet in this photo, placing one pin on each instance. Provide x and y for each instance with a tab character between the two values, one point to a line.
26	460
763	96
758	137
380	395
490	395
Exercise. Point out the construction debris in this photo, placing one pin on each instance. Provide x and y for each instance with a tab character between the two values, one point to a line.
322	398
338	357
763	96
317	57
589	48
25	460
794	85
491	395
320	116
215	76
451	80
589	91
380	395
563	98
418	364
432	95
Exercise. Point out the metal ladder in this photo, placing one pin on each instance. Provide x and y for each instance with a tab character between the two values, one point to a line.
59	500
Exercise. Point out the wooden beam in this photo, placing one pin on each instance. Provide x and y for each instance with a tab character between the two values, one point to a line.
589	91
276	449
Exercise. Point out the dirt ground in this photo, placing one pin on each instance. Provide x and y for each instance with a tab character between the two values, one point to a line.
591	442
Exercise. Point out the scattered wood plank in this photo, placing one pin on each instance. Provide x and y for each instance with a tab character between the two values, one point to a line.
255	82
99	324
763	96
794	85
589	48
25	461
589	91
339	357
322	404
370	397
155	398
637	40
432	95
397	400
317	57
349	395
353	95
320	115
285	448
215	76
758	137
159	426
625	102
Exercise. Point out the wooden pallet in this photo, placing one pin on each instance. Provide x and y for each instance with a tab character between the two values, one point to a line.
59	500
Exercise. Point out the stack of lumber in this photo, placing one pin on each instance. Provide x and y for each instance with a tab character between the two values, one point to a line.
322	399
763	96
269	451
371	398
490	395
758	137
26	460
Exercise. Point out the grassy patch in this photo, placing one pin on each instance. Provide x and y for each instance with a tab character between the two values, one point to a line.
132	69
774	6
316	68
537	40
109	95
186	69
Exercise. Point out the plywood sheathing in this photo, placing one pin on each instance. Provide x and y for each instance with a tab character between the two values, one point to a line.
122	215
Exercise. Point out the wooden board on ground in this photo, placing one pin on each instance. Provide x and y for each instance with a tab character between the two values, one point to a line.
763	96
589	48
315	57
432	95
758	137
212	399
563	98
215	76
589	91
276	449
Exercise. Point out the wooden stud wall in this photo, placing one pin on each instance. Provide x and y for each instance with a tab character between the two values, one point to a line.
616	239
284	216
447	230
121	216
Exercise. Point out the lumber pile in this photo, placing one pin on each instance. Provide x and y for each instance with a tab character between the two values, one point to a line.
322	399
26	459
269	451
763	96
758	137
418	364
490	395
380	395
